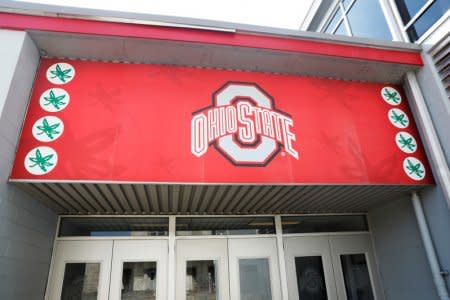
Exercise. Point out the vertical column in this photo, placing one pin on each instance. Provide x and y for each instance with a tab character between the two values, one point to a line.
19	59
429	135
171	262
281	258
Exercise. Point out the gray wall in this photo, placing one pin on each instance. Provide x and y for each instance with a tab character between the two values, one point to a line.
436	209
26	226
401	257
438	218
437	102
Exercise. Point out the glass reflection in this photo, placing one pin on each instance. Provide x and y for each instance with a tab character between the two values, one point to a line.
429	17
139	281
370	25
201	280
254	279
356	277
310	278
80	281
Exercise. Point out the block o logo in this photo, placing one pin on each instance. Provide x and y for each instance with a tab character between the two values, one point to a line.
243	125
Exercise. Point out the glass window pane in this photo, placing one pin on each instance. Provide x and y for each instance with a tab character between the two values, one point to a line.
346	3
80	281
337	16
310	278
139	280
201	278
341	29
121	226
305	224
254	279
224	226
356	277
369	25
409	8
429	17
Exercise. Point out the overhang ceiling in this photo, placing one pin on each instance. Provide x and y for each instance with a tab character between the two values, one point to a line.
137	50
107	198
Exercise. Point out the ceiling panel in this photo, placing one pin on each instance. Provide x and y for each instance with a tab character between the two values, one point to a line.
103	198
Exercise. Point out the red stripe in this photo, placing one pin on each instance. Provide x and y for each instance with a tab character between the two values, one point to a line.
26	22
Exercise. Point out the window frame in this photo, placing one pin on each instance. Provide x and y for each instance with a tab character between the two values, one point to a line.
404	27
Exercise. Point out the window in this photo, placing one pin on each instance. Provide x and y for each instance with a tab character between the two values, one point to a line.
361	18
419	15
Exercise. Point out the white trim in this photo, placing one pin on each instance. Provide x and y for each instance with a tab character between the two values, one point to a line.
392	19
327	16
376	273
214	215
171	264
50	269
281	258
418	14
435	27
347	25
310	15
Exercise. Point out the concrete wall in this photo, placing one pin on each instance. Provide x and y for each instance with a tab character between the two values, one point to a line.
402	262
437	102
26	226
436	208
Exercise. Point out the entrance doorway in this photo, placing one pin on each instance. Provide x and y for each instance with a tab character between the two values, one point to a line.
331	267
227	268
109	269
213	258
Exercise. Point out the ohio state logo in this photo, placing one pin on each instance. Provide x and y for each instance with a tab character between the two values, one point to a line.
243	125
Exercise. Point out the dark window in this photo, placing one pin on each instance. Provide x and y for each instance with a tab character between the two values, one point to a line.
427	19
409	8
80	281
224	226
115	226
310	278
305	224
356	277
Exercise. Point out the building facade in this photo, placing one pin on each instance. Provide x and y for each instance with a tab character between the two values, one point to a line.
169	158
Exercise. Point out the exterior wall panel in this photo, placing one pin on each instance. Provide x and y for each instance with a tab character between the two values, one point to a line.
402	262
26	226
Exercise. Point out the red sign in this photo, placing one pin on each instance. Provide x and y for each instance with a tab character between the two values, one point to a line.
92	121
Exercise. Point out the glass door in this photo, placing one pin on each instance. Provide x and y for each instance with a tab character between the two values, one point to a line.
354	267
202	269
254	272
81	270
309	268
139	270
336	267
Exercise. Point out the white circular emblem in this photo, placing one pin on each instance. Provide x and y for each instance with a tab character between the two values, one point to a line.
406	142
41	160
391	95
238	153
48	129
414	168
398	118
54	100
60	73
